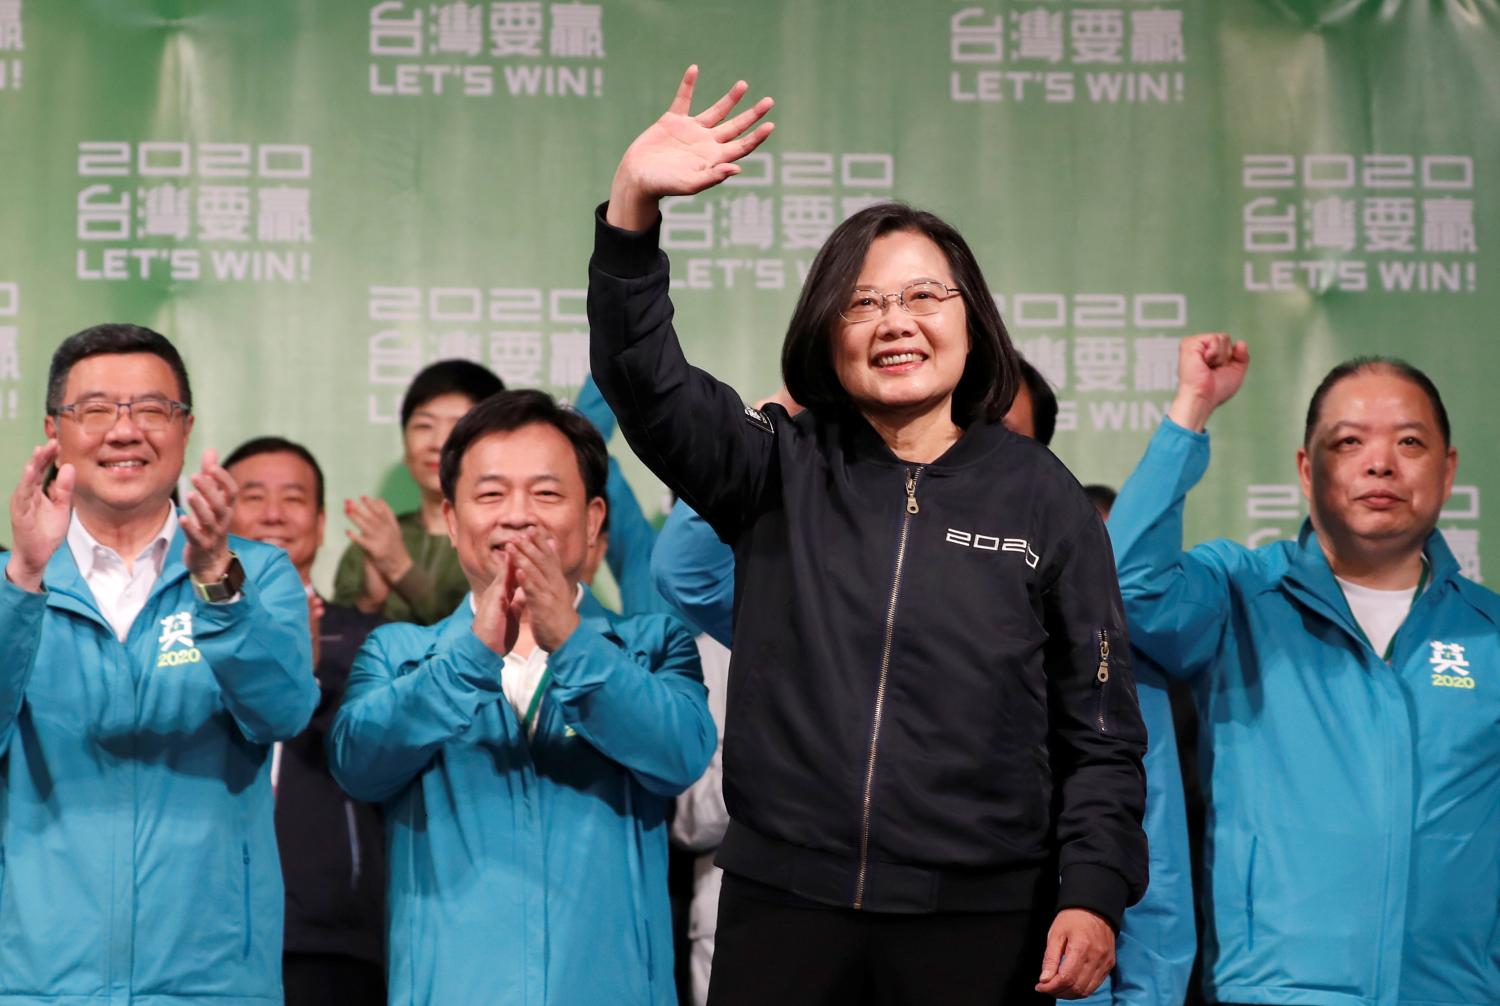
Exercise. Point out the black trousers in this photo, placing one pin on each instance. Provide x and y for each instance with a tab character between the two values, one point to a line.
331	980
775	949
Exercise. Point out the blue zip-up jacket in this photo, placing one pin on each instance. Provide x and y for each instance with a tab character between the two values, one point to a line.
1154	953
1353	835
631	536
1158	938
138	856
526	873
694	571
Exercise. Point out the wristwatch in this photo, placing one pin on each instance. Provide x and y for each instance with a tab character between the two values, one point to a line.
226	586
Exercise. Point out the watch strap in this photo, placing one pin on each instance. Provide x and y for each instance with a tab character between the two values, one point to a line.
225	587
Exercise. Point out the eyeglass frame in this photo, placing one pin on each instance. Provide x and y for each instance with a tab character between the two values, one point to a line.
900	296
175	409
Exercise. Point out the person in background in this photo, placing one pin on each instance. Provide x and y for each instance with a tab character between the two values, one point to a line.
526	756
627	538
1102	496
151	661
698	826
1347	697
1034	412
332	846
403	565
1158	939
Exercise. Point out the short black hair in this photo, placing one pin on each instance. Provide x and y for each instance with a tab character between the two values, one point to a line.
115	338
1368	364
1043	402
1102	496
445	377
991	372
277	445
511	410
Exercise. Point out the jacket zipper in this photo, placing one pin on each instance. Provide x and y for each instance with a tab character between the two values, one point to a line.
1102	676
354	864
245	856
885	665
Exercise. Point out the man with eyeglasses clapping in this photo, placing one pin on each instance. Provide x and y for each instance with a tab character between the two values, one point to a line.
151	660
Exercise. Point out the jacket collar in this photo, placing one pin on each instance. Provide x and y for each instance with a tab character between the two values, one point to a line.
978	440
1311	579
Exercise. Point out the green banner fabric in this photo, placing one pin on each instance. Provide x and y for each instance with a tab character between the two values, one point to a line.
314	199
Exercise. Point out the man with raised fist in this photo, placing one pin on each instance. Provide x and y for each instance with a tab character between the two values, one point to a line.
1347	691
151	660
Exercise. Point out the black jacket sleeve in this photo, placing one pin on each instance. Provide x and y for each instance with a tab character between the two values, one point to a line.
1097	738
691	430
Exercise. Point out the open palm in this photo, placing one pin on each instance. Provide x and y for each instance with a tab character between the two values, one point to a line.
680	153
39	516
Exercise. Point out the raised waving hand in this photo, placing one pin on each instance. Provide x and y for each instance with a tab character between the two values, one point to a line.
681	153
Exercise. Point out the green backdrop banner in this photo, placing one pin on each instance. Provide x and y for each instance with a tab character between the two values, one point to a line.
314	199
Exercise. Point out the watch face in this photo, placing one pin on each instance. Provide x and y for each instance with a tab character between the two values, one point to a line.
234	576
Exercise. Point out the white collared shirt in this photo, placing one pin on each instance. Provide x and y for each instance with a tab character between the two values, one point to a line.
521	676
119	592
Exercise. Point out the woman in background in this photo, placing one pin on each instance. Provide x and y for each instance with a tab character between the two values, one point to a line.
403	566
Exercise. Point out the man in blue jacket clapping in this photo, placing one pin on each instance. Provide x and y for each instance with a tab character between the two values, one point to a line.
526	755
151	660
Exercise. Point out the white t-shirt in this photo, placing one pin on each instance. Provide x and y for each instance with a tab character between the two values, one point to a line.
1378	612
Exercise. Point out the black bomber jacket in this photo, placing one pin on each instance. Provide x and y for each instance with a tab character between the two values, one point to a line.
930	699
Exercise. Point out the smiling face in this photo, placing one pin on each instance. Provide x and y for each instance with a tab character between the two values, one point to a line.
513	480
1376	471
278	504
423	437
899	365
125	472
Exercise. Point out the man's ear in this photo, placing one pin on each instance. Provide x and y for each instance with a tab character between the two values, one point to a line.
450	517
595	518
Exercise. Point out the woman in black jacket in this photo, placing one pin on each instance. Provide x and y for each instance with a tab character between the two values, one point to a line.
932	760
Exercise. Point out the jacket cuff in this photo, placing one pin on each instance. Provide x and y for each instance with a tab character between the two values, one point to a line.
1170	428
625	254
475	662
14	595
585	659
1096	888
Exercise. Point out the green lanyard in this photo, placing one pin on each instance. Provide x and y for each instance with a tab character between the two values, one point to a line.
528	721
1390	648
